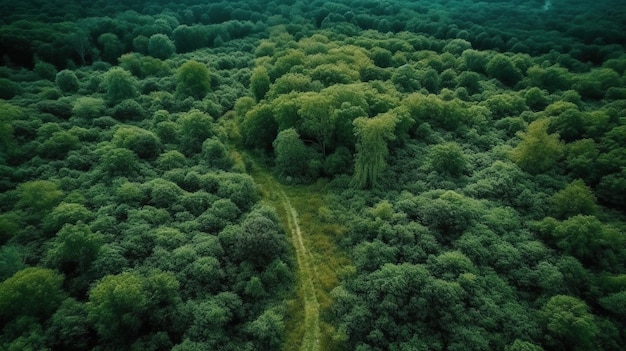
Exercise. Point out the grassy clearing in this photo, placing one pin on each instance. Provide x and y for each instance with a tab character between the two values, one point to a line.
301	210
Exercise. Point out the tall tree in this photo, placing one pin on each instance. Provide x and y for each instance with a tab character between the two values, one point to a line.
372	136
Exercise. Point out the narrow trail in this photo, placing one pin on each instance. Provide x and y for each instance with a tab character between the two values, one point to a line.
311	339
275	194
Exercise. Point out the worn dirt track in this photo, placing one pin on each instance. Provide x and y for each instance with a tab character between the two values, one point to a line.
275	194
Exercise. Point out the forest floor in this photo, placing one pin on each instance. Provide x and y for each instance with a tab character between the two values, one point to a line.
318	259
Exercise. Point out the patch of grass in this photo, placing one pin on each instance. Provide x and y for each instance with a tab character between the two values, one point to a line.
319	259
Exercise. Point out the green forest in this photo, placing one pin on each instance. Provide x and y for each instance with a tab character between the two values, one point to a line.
314	175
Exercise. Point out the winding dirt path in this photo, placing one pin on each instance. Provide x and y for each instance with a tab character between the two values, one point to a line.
275	194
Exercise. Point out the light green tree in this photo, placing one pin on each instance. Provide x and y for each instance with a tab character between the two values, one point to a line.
576	198
259	83
161	46
537	151
448	158
32	291
372	136
193	79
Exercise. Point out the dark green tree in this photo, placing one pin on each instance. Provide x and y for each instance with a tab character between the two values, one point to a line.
569	324
503	69
195	127
120	85
161	46
291	154
74	249
67	81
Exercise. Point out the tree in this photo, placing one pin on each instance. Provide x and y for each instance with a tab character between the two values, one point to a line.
66	213
216	154
67	81
33	291
74	249
111	46
576	198
143	143
569	324
88	107
586	238
537	151
259	128
291	154
448	158
259	83
118	161
195	127
317	119
519	345
9	89
372	135
502	68
11	261
116	306
161	46
120	85
268	329
257	240
38	196
69	327
189	38
193	79
10	113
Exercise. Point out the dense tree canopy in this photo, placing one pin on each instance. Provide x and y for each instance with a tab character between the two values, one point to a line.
457	168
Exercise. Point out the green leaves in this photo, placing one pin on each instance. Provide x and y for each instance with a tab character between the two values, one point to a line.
569	323
537	151
193	79
372	137
116	305
32	292
291	154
